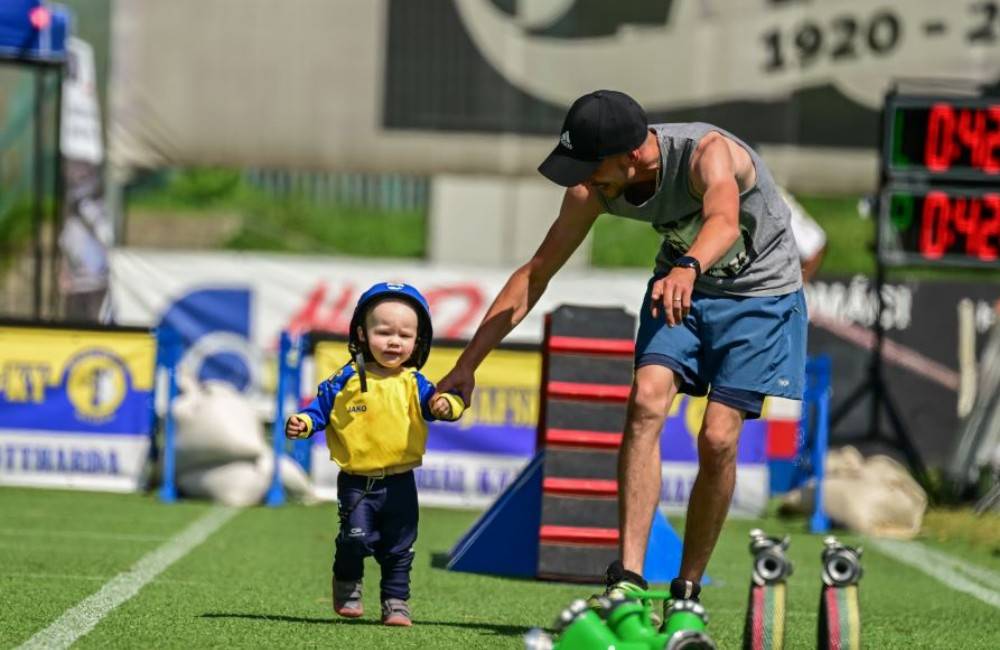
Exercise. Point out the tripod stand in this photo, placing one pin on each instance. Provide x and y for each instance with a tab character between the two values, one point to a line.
875	384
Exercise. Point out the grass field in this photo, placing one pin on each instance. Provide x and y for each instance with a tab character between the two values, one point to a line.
262	580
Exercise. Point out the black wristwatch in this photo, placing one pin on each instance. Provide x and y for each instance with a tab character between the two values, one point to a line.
688	262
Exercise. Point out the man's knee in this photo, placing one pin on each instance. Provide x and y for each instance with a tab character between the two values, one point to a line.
719	438
649	401
717	446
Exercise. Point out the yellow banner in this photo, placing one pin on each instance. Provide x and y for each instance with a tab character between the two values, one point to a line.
61	378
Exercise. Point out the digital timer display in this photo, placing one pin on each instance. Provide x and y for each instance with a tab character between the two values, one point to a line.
959	226
948	139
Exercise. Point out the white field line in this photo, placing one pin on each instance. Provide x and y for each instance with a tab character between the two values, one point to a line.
980	574
81	619
950	571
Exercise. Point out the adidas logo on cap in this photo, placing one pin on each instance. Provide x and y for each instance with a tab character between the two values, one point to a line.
564	140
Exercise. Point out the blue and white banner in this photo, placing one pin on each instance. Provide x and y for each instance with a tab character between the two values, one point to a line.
75	407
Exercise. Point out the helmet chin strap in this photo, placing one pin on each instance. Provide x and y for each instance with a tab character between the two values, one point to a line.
359	360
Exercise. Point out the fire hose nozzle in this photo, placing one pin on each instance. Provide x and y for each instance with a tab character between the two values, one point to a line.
841	563
770	565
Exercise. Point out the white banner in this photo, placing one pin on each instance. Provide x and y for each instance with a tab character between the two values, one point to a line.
244	300
112	463
749	496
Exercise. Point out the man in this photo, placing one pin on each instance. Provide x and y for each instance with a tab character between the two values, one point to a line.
724	311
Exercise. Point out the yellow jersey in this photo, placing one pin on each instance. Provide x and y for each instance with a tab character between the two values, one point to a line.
383	427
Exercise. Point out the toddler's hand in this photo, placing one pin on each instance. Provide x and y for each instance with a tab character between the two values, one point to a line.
295	427
440	408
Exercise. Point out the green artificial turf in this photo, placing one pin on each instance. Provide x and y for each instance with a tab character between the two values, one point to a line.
263	580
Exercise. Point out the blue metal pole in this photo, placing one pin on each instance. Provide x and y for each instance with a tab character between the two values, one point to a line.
820	522
301	449
171	344
276	493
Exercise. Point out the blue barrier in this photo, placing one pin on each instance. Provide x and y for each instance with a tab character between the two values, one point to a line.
289	379
276	493
301	449
169	348
814	436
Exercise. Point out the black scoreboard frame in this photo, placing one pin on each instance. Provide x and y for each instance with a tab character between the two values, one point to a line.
919	179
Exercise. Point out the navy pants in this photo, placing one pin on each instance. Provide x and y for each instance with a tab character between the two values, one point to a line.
378	517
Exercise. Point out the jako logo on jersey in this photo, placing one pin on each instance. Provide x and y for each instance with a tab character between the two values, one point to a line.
564	139
357	408
215	327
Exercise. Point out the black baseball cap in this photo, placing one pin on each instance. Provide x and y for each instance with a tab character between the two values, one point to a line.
598	125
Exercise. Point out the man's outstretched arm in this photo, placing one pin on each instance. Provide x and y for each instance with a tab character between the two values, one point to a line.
525	286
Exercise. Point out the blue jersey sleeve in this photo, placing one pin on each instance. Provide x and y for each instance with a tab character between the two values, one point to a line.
317	413
425	390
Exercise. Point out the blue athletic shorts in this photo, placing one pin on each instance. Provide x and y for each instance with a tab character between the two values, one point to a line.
740	348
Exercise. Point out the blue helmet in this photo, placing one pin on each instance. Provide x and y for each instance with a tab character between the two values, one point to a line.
398	291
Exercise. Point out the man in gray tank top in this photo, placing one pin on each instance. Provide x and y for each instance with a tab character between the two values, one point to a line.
723	315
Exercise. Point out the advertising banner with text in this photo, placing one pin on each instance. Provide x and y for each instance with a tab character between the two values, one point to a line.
75	407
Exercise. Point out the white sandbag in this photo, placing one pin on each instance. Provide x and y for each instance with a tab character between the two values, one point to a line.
298	486
216	425
240	483
874	496
874	508
845	462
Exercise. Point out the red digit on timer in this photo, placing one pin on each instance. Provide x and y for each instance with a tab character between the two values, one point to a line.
939	145
972	134
991	143
989	228
965	214
935	235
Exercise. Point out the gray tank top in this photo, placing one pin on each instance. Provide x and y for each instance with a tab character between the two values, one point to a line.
763	262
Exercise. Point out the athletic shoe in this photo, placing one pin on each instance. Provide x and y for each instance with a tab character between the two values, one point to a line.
347	598
684	599
684	622
396	612
681	589
621	584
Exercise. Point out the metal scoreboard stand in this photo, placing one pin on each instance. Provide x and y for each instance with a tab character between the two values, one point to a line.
33	34
938	205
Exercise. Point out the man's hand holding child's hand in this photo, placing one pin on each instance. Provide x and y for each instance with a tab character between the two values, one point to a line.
440	408
296	427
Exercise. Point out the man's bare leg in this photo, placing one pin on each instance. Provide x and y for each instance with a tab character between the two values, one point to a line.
713	487
639	466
